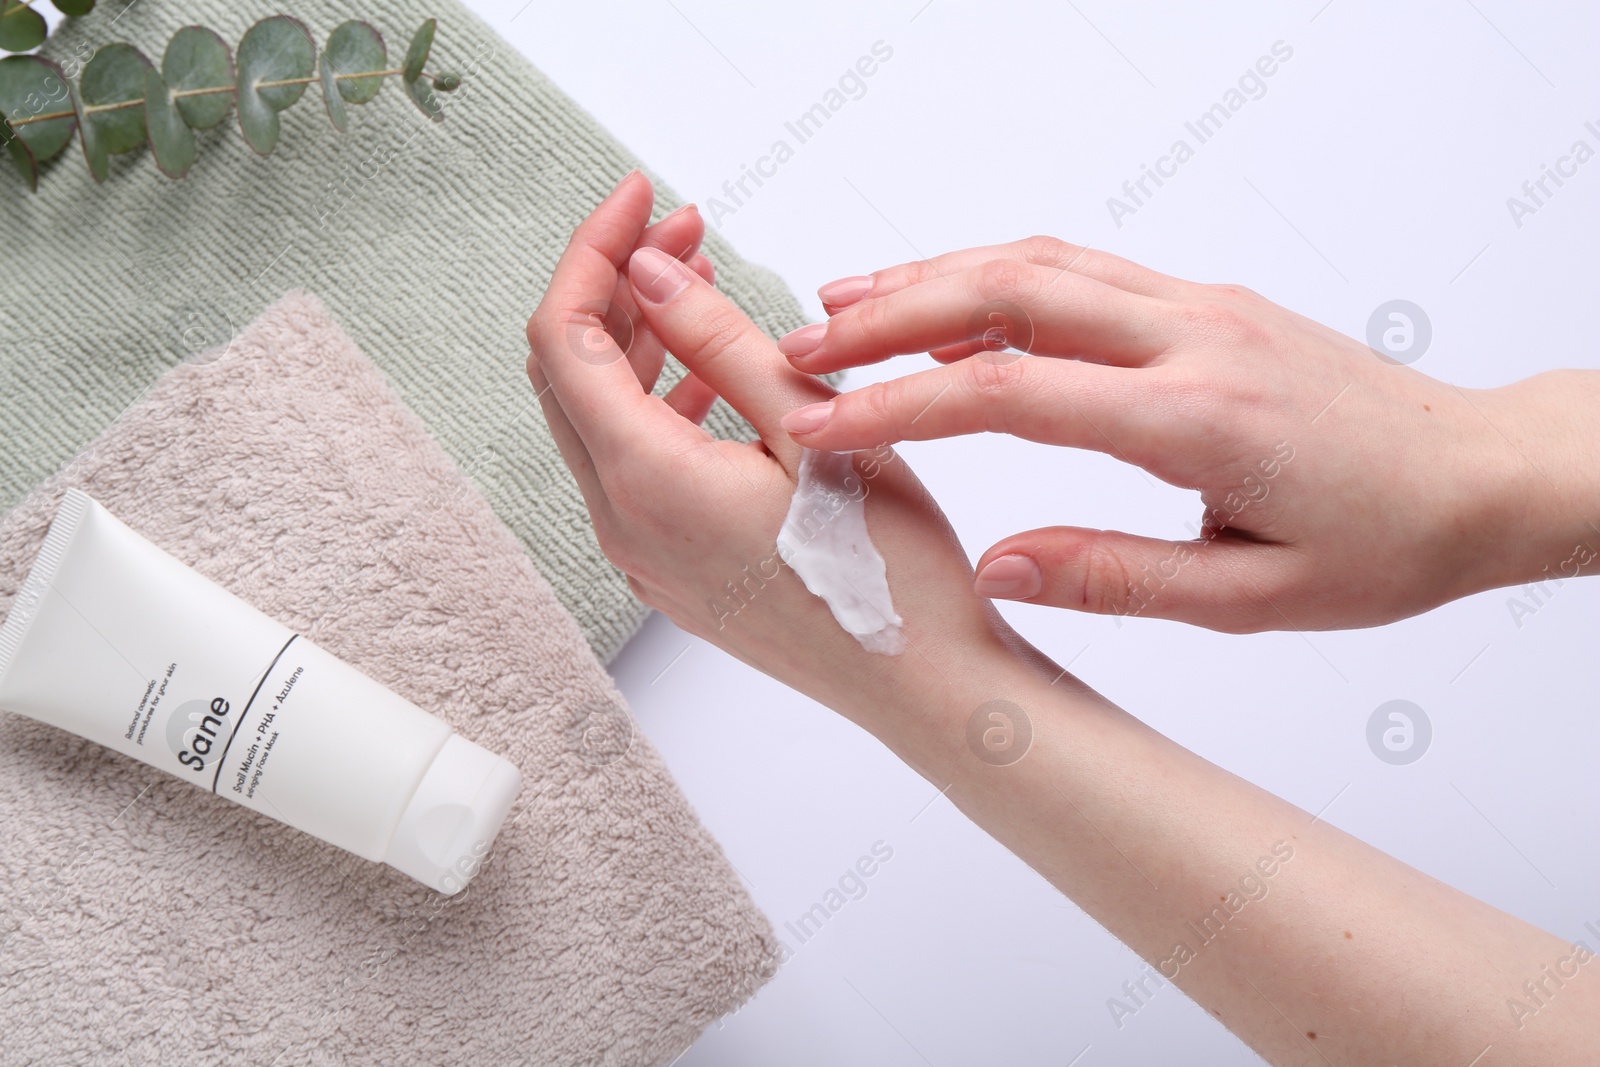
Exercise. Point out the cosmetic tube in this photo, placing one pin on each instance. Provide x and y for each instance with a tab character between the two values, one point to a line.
118	642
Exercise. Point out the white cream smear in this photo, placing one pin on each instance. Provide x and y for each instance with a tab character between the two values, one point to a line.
824	540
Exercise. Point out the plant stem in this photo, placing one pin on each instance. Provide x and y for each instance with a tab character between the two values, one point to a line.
45	117
337	77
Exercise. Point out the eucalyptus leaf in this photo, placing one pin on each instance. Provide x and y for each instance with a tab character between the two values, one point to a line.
33	85
171	139
337	114
114	76
417	54
273	50
197	58
447	81
420	90
73	8
20	155
21	28
354	48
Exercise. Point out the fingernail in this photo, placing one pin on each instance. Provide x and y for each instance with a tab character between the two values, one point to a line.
624	179
808	419
675	212
656	275
1010	578
845	291
805	339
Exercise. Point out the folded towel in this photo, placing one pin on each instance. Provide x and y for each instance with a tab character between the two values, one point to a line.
431	242
143	918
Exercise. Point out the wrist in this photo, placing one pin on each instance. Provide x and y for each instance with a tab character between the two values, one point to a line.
946	711
1547	515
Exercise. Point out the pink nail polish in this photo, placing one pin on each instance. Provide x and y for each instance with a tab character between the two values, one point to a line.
1010	578
845	291
656	275
805	339
808	419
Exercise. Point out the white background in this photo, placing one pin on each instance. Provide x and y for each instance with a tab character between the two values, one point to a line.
1377	165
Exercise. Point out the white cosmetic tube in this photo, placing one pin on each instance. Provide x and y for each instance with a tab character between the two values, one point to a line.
118	642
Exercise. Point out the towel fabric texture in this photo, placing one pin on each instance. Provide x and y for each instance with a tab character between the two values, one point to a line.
145	921
431	242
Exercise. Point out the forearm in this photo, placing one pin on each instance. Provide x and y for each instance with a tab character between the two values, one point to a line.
1279	924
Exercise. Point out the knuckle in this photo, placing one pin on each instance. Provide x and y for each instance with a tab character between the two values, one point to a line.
994	379
916	272
1240	293
711	334
1222	322
1106	587
1006	279
1045	250
876	404
863	322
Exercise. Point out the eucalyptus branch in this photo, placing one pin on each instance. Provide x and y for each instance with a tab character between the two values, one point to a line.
123	102
179	94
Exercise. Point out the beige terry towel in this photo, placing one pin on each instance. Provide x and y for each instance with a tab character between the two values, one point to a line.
145	921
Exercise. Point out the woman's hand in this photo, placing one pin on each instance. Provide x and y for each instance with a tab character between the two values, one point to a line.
1339	489
693	521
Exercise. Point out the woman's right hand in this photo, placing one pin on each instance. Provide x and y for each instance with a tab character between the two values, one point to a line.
1339	488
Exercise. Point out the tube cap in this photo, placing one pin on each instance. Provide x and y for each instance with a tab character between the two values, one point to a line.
453	817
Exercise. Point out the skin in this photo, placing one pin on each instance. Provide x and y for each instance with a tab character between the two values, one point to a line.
1208	387
1380	962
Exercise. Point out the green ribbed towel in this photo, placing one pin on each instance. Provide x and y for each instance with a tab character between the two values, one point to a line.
431	243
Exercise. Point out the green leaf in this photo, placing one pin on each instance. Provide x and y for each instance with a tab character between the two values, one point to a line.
115	75
417	54
74	8
447	81
20	155
33	85
421	93
274	49
197	58
171	139
330	97
21	28
353	48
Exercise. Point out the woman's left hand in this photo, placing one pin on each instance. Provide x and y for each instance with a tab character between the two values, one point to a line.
693	521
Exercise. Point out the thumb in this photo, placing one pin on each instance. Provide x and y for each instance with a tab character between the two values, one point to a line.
1221	582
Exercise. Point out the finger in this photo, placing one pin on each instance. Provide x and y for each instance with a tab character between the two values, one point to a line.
1110	409
691	398
721	346
678	234
1003	303
589	377
1044	251
1219	582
